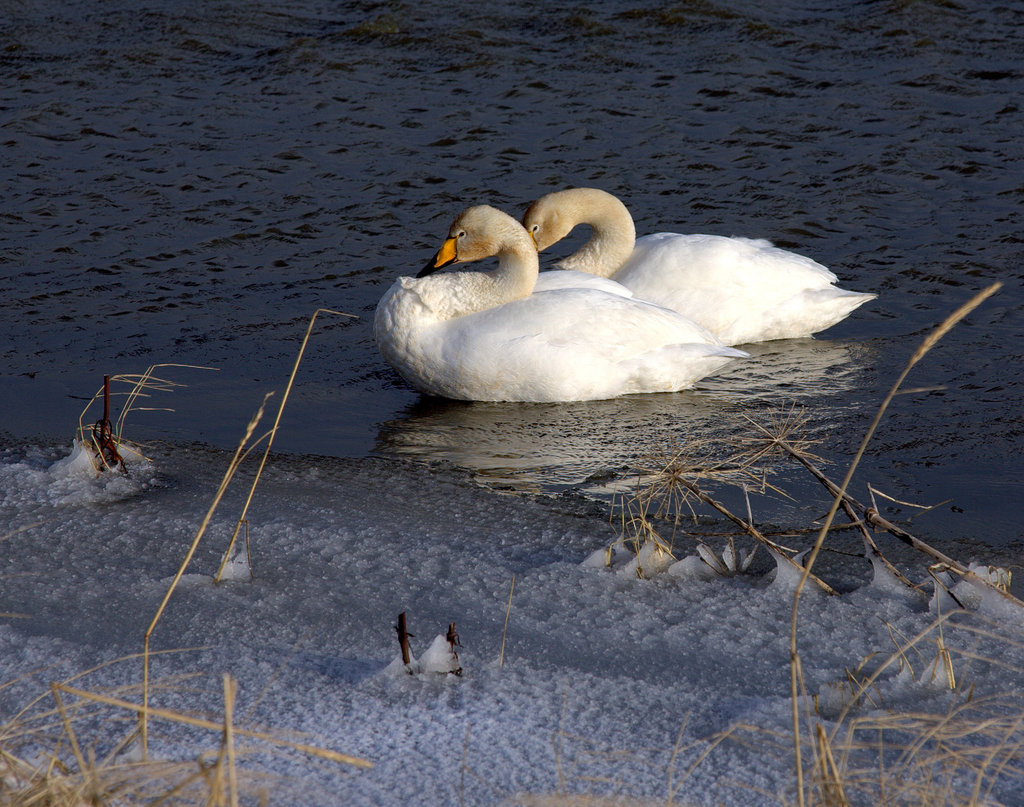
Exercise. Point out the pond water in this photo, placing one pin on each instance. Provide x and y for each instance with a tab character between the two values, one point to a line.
187	182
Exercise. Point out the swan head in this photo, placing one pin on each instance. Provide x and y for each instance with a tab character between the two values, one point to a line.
549	219
479	232
553	216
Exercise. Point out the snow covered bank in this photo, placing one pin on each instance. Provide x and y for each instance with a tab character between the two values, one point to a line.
604	673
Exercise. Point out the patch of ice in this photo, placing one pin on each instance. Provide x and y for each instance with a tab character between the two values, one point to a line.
237	567
787	575
691	568
937	674
833	697
612	556
440	658
884	580
650	561
71	480
398	667
941	601
987	599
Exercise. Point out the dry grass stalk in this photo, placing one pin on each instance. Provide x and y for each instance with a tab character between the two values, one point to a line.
270	437
230	690
504	630
795	450
228	475
141	386
795	677
212	725
831	780
45	761
670	480
871	516
928	759
146	381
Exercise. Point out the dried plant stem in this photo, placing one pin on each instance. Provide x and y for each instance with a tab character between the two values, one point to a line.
926	345
899	655
228	474
273	433
403	639
198	722
145	381
230	689
873	517
508	611
69	730
831	780
778	551
139	383
848	504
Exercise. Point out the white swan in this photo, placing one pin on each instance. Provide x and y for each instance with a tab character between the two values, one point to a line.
484	336
741	289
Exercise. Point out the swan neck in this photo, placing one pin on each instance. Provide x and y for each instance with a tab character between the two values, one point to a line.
611	241
516	274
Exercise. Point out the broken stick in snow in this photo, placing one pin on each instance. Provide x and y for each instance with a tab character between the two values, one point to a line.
403	638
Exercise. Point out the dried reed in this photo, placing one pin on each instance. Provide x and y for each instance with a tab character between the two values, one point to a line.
796	677
140	386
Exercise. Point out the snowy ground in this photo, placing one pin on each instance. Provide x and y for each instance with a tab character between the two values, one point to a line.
603	673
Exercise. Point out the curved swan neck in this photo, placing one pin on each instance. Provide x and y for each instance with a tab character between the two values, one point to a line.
614	233
481	232
516	274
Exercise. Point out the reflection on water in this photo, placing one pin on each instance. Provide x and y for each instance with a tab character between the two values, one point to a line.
794	368
589	444
182	186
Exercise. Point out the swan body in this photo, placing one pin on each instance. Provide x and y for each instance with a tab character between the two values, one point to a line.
495	336
553	280
741	289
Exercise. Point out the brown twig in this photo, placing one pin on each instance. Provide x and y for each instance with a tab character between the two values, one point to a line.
504	631
927	344
270	440
403	639
453	641
876	519
188	720
228	475
103	434
778	551
848	504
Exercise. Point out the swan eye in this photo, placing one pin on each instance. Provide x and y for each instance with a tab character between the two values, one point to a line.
462	234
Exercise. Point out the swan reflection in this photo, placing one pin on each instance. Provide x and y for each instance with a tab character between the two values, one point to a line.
550	447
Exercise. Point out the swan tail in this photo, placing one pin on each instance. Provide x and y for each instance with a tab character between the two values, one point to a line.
802	315
677	367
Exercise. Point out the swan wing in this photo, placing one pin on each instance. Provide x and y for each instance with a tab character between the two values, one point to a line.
741	289
561	345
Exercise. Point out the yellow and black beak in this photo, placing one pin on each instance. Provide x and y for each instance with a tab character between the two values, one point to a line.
446	255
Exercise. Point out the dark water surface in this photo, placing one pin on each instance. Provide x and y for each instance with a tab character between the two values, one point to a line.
186	182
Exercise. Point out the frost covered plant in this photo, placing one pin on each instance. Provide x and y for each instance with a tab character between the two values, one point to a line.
732	561
781	434
440	658
981	586
669	478
103	440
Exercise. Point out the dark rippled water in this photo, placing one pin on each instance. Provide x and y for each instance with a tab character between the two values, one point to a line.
187	182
